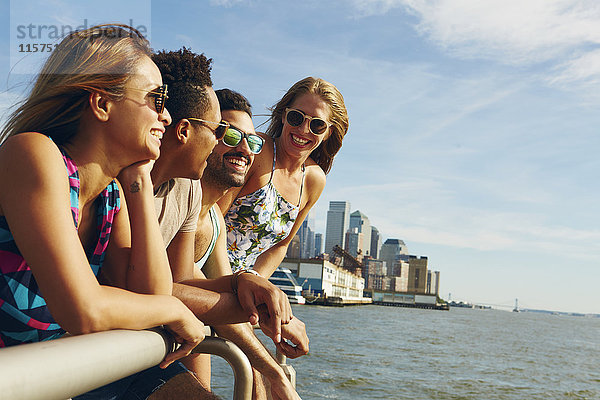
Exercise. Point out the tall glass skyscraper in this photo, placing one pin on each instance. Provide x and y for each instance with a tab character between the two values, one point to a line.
361	222
318	244
338	221
375	242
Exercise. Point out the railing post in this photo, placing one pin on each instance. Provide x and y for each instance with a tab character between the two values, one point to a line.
242	370
288	370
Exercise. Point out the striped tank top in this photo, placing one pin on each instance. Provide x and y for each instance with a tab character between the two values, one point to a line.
24	315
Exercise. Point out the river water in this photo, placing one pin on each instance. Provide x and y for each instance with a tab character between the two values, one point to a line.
377	352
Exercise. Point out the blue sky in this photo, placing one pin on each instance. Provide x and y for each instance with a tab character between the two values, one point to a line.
473	125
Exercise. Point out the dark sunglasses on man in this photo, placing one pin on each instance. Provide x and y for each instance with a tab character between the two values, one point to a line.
295	117
219	131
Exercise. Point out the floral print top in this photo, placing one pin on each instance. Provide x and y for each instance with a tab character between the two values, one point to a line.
258	221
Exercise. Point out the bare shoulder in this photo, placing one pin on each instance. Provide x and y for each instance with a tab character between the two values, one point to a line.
31	154
263	161
260	171
30	163
314	176
27	143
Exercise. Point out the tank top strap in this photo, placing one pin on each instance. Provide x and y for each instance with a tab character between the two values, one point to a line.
274	159
301	184
74	184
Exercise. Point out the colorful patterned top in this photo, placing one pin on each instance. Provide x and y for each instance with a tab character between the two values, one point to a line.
24	315
258	221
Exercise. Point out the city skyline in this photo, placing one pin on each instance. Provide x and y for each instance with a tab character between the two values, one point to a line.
473	125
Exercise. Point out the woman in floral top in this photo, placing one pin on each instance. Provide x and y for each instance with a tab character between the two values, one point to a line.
287	177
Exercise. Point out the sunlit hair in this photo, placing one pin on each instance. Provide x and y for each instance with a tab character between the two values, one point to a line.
234	101
100	59
188	77
338	117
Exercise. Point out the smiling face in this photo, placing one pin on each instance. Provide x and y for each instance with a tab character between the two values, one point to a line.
227	166
299	141
136	124
202	137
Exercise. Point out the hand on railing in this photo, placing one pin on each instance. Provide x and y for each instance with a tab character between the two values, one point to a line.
265	303
295	340
188	331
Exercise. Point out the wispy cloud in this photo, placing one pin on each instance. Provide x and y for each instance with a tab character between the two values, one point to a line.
228	3
433	211
581	71
563	33
510	30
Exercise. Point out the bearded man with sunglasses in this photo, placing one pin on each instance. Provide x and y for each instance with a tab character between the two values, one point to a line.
226	168
185	147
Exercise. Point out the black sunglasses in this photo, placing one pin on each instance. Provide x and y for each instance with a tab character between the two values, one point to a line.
234	136
219	131
295	117
160	97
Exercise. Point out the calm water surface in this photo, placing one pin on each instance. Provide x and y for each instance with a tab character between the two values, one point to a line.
375	352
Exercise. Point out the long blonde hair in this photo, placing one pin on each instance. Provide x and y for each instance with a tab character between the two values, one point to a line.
99	59
338	118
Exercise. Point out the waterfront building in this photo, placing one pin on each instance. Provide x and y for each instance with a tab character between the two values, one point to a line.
433	282
293	249
417	274
354	242
375	242
400	276
371	269
403	299
307	240
397	284
379	282
303	243
374	267
338	221
325	278
361	222
392	251
318	244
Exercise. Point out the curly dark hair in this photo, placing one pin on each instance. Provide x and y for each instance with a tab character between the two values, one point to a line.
188	77
232	100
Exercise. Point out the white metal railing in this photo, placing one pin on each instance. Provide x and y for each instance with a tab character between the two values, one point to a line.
66	367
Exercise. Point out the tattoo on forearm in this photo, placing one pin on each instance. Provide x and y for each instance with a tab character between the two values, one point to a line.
134	188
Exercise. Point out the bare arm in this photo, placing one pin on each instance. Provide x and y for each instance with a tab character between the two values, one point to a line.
211	307
181	256
37	209
148	268
260	358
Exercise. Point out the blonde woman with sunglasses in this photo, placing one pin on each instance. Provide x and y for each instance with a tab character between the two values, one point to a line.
286	179
96	111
